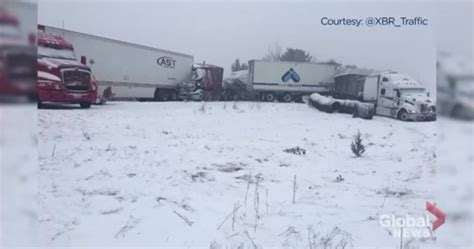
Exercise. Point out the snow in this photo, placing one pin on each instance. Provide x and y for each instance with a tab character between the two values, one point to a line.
168	174
18	175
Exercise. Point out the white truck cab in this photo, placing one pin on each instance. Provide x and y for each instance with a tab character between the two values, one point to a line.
399	96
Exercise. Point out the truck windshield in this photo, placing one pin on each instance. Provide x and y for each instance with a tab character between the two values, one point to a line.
412	90
401	77
414	93
199	74
49	52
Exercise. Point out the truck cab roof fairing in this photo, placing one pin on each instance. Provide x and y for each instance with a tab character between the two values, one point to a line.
52	40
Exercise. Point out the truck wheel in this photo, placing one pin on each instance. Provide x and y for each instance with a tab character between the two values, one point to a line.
403	115
173	96
85	105
286	97
40	104
270	97
164	96
160	95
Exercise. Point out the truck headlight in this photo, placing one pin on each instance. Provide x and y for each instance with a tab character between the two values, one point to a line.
411	111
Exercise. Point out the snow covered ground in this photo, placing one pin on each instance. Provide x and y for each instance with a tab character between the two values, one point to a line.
171	174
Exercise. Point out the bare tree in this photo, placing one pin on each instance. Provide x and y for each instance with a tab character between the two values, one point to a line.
273	53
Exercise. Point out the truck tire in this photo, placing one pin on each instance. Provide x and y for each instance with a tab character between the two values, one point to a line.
403	115
173	96
286	97
85	105
160	95
269	96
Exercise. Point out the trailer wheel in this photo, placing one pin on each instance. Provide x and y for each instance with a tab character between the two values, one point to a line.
269	97
85	105
173	96
156	95
403	115
161	95
286	97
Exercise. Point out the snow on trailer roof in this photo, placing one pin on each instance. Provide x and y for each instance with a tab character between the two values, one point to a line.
199	65
118	41
349	73
299	62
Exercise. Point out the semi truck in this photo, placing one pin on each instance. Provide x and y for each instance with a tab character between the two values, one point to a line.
125	70
288	81
61	78
393	94
17	59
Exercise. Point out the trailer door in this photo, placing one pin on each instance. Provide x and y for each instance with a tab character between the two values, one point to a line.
370	88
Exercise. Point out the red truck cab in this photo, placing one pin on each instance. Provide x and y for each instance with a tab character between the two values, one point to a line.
61	78
210	78
17	59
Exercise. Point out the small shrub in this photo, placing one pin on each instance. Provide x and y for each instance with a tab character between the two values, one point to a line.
356	146
295	150
339	178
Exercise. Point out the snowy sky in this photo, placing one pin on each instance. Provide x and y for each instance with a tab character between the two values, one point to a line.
220	32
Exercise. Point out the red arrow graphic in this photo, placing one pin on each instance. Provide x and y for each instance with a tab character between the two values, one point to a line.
441	217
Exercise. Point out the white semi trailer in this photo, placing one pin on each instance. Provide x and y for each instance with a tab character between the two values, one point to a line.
287	81
127	70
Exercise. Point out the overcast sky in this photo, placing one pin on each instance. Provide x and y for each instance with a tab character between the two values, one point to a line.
220	32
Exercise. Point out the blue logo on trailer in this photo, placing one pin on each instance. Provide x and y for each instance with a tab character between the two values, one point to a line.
290	74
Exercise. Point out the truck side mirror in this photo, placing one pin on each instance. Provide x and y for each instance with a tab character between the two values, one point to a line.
427	94
83	60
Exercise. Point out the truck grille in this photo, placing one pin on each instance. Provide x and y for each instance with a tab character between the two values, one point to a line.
76	80
424	108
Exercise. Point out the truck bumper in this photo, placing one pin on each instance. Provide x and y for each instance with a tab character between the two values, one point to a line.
66	97
422	116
